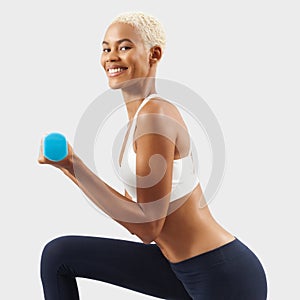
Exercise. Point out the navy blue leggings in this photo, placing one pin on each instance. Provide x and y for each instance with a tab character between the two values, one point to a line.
230	272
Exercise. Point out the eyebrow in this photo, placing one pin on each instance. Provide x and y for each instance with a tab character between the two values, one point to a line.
119	41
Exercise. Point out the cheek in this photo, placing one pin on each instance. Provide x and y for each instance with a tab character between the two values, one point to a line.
102	60
143	64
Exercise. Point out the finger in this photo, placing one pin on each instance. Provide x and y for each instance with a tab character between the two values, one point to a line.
41	158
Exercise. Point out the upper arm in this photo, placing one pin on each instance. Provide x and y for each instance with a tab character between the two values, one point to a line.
155	143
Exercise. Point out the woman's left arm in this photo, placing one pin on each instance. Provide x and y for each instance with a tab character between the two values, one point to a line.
116	205
145	217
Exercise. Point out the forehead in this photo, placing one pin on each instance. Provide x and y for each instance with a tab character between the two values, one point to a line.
119	31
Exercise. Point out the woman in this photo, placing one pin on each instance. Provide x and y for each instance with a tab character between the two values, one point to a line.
192	256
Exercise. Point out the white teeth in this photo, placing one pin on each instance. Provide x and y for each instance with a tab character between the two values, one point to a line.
111	71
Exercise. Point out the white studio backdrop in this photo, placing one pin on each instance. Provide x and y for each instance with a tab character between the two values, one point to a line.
241	57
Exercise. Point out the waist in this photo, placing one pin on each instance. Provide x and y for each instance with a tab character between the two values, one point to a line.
190	230
228	251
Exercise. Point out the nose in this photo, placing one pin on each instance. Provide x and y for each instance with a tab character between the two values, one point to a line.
112	55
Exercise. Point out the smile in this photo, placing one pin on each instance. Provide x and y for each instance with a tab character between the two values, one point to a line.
116	71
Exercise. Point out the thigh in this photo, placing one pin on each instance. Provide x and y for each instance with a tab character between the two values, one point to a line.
132	265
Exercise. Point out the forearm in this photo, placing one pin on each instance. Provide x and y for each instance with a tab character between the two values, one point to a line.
126	212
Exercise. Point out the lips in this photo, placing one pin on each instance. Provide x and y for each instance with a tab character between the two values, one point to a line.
115	70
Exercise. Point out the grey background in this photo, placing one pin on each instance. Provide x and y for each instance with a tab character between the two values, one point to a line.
241	57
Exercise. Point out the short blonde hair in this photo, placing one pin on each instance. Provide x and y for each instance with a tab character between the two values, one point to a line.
150	29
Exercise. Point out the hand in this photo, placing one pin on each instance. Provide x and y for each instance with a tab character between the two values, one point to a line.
64	164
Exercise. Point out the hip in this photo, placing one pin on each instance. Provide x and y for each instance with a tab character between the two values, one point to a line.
231	271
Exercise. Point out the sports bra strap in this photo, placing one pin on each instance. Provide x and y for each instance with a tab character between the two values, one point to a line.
140	107
138	110
190	151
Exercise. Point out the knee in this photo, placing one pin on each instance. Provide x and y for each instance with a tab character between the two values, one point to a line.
55	253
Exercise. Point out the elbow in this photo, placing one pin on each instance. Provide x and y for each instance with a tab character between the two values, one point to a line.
148	240
151	235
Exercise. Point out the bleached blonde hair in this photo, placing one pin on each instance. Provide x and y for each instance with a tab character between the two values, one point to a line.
150	29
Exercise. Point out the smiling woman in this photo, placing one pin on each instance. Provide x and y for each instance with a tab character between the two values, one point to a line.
192	256
126	56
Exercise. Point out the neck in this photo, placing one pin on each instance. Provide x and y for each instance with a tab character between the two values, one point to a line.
136	93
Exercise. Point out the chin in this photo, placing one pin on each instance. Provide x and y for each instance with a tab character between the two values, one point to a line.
120	84
116	85
113	86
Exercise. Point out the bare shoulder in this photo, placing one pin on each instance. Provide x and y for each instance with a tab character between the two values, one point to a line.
160	105
167	111
162	117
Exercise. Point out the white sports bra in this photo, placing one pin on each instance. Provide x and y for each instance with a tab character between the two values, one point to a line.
184	178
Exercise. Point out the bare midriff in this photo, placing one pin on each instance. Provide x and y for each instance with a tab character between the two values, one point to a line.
191	230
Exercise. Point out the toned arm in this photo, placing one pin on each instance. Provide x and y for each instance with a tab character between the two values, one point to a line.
117	206
154	162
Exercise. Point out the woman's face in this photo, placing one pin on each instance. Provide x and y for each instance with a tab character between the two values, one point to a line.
124	55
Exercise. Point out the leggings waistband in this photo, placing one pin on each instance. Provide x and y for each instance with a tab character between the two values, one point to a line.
227	252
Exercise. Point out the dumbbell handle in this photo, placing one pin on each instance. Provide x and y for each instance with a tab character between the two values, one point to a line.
55	146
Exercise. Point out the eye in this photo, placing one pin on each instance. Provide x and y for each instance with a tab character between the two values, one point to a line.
106	50
124	48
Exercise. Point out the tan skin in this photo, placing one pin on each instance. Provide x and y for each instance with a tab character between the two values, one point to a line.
190	229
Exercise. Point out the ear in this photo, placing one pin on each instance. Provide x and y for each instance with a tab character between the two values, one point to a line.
155	54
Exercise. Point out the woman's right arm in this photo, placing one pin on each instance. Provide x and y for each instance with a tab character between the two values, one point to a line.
122	209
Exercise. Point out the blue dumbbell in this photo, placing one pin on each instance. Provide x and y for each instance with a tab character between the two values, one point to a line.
55	146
